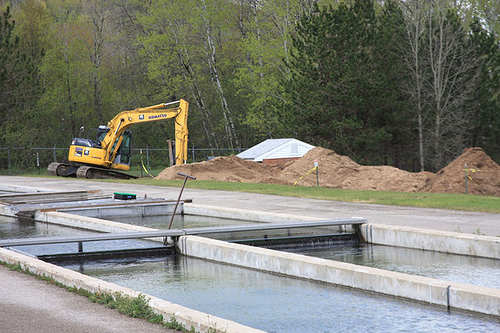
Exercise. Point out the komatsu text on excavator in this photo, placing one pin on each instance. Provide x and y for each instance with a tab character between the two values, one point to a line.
110	154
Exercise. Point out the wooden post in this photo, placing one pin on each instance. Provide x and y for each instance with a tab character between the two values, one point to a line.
170	152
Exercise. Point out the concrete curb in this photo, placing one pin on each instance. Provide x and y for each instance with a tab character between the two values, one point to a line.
22	189
200	321
444	293
432	240
84	222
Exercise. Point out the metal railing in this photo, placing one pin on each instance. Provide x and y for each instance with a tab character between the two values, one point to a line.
179	232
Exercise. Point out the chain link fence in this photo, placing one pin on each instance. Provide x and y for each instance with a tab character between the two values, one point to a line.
15	161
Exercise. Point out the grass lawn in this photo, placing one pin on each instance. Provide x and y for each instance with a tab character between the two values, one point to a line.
464	202
475	203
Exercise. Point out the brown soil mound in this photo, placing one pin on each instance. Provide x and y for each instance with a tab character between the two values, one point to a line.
334	171
483	175
341	172
229	169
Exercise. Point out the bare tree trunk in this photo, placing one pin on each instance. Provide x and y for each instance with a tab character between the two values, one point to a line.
452	82
413	59
190	76
212	63
98	20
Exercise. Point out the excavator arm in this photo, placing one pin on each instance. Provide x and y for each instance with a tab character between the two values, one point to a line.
117	126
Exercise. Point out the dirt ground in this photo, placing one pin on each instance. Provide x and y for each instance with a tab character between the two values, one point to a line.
341	172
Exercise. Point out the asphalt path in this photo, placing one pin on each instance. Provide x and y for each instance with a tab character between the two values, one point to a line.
31	305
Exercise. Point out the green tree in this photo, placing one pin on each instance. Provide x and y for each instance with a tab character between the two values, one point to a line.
189	47
19	85
391	124
486	132
265	29
343	73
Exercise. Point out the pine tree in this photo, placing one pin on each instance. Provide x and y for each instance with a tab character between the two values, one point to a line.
18	72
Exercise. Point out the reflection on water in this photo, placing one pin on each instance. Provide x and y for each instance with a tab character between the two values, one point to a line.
180	221
465	269
13	229
278	304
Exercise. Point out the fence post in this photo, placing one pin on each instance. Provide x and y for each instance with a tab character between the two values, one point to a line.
8	158
466	176
54	153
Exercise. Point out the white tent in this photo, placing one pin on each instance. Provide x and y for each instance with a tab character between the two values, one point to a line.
276	149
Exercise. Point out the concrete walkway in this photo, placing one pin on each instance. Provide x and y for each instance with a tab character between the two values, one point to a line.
437	219
29	305
24	300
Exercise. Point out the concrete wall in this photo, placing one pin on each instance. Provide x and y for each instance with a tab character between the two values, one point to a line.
90	223
432	240
133	209
202	322
83	222
241	214
433	291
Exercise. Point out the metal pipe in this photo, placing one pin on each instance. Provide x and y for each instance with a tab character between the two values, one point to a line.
178	199
170	103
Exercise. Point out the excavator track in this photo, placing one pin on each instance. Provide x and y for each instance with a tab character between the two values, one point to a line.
89	172
62	169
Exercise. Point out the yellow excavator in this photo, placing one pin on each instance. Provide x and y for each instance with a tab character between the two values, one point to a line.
110	154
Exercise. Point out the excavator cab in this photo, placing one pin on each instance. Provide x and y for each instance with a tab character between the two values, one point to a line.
124	151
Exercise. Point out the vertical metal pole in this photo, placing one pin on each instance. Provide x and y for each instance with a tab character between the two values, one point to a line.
178	199
142	162
147	156
466	176
80	247
317	176
316	164
8	157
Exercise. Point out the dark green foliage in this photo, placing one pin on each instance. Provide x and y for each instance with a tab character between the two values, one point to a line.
486	133
344	84
18	72
19	81
343	92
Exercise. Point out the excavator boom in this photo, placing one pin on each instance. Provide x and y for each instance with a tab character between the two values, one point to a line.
110	153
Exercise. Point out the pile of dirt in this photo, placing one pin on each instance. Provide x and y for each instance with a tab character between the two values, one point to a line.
481	172
228	169
341	172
